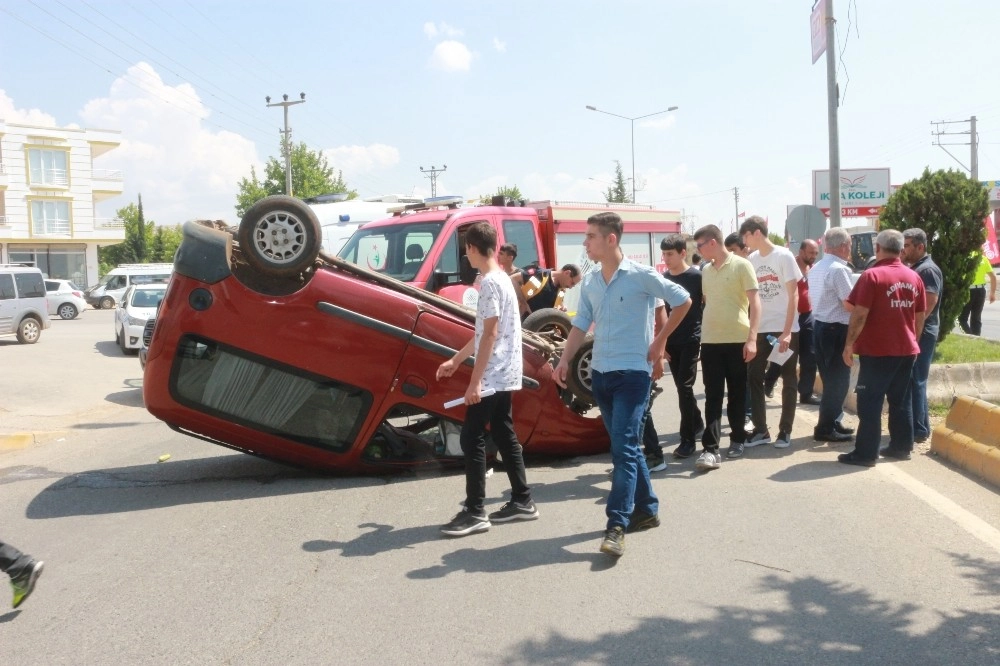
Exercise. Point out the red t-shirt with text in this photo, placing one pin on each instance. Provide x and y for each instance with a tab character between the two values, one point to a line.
893	294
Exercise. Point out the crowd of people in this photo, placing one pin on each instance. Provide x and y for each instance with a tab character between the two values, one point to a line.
751	312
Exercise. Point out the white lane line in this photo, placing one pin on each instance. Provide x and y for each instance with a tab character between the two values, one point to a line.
969	522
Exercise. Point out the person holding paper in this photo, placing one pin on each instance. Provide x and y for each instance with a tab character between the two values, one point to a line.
497	345
777	278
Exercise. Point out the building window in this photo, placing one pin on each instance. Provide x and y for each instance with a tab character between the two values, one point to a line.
48	167
59	261
50	218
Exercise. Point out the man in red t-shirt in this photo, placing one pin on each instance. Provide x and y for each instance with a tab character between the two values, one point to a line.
888	317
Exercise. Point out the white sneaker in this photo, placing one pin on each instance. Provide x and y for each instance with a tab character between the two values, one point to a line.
784	441
708	460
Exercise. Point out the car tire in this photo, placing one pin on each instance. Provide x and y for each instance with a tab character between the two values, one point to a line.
67	311
280	236
579	378
550	321
28	331
107	303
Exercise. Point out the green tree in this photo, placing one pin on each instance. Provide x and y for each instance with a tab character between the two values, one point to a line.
776	239
164	243
950	207
312	175
133	250
507	191
618	191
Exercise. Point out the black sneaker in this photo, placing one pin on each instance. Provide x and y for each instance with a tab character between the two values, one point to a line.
515	511
736	450
842	429
685	450
640	521
465	523
898	454
614	541
655	462
852	458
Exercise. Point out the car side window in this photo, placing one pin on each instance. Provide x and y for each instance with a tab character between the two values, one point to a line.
522	234
51	285
29	285
6	287
454	250
116	282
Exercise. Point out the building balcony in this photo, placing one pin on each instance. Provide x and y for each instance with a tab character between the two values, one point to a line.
103	223
107	183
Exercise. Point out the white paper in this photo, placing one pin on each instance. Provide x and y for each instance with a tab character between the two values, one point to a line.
779	358
461	401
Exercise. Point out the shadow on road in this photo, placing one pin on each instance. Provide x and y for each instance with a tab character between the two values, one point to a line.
820	622
129	398
811	471
181	482
108	348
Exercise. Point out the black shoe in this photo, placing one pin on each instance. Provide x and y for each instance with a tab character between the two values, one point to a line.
514	511
769	389
465	523
898	454
614	541
685	450
852	458
811	399
921	439
832	436
640	521
842	429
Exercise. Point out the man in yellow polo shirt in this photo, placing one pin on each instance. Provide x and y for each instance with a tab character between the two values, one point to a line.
728	341
977	297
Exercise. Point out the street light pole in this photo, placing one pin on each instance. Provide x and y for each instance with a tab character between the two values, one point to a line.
631	121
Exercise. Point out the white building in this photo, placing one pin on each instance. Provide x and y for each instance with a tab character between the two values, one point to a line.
49	188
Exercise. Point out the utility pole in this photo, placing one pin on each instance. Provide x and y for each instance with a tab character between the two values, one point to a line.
736	202
286	137
832	102
432	173
973	142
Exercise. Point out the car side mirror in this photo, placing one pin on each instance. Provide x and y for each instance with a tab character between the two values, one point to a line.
467	274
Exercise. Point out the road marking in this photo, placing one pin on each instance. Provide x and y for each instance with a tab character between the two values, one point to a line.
968	521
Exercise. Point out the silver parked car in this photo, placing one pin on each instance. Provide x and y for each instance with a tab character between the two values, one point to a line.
65	298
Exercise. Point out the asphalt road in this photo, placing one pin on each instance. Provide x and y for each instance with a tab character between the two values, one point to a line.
213	557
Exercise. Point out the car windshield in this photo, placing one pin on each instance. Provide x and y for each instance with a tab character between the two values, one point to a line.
146	298
397	250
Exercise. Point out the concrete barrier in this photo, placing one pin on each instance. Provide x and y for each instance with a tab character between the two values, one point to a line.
970	437
944	383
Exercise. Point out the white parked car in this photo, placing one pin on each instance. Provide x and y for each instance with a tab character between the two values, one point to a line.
138	304
65	298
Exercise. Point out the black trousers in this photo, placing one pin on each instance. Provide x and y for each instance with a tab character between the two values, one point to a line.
807	358
12	561
789	382
494	411
977	299
684	369
724	375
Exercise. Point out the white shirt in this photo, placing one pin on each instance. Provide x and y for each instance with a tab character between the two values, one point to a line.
774	272
829	285
497	298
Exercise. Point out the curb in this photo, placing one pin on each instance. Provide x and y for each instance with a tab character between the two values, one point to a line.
970	438
19	440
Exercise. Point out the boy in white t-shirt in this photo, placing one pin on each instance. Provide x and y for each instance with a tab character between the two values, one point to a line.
778	275
498	366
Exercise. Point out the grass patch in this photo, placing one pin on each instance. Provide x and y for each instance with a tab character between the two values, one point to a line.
938	410
966	349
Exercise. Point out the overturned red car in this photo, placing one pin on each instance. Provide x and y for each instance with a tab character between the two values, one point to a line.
265	345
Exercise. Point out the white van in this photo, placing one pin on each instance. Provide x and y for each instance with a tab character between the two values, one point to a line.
23	309
340	218
108	292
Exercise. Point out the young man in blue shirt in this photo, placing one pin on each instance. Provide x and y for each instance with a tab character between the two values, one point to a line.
619	300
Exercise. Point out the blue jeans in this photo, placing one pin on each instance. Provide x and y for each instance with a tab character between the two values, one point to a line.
882	377
918	385
621	395
829	340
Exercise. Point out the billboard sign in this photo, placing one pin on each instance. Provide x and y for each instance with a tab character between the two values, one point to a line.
863	192
993	186
817	29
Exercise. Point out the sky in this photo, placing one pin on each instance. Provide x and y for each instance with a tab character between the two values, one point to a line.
498	93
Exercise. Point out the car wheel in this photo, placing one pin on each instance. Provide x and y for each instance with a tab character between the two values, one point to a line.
107	303
580	378
280	236
67	311
28	331
548	321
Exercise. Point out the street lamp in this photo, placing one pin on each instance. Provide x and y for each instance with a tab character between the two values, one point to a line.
632	123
